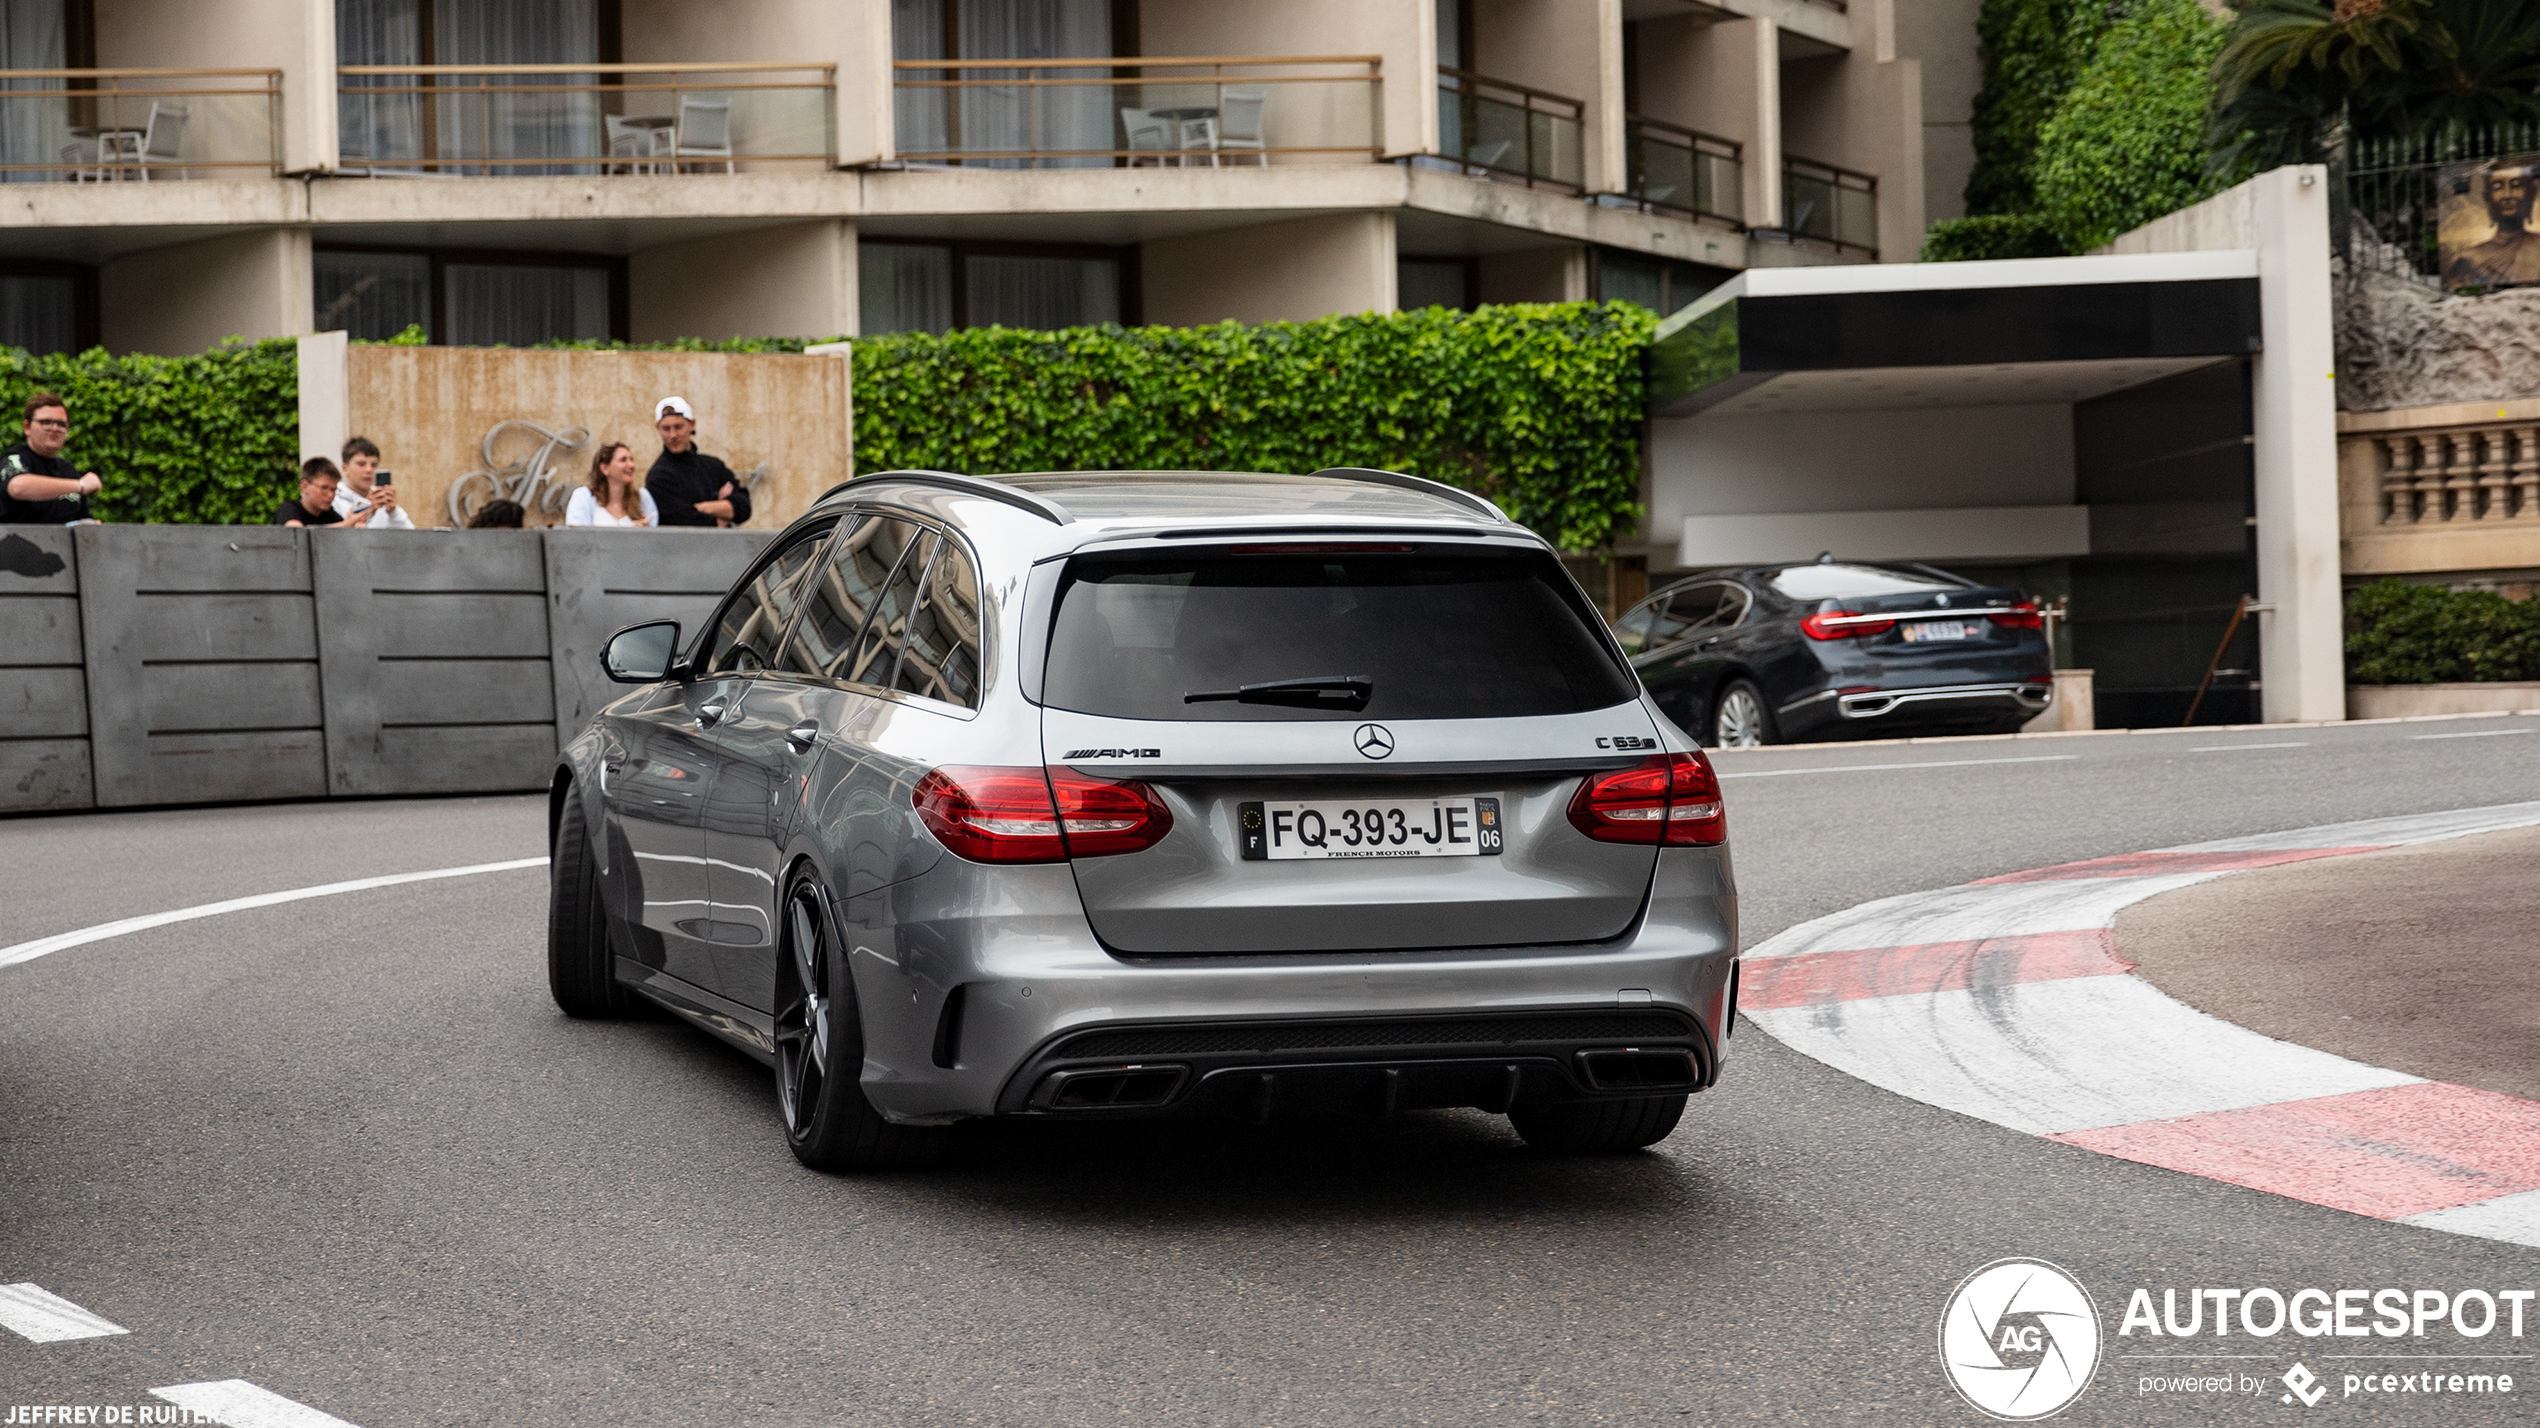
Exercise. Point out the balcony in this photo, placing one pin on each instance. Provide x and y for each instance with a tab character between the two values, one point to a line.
1825	204
1494	128
532	119
1683	170
111	125
1114	112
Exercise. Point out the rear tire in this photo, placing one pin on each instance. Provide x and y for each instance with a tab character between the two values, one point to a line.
828	1122
1597	1127
1739	718
580	967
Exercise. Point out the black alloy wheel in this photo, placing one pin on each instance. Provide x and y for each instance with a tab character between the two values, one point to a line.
581	974
1739	718
820	1054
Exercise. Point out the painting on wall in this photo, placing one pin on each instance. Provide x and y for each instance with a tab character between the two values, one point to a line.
2485	223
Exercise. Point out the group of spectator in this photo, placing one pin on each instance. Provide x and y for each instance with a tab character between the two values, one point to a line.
685	487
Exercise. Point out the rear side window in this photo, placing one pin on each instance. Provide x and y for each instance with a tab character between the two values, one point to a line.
1444	636
895	607
1858	582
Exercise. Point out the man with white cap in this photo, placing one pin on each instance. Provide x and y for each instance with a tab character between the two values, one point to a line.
689	487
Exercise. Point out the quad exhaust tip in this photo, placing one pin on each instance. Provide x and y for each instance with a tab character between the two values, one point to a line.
1108	1088
1629	1068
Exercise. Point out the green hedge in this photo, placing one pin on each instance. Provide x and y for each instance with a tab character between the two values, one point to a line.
2031	50
1991	235
2426	634
1537	406
212	439
2127	143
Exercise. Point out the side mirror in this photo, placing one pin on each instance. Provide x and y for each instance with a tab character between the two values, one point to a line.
641	654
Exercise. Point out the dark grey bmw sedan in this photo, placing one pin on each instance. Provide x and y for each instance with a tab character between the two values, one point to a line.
1086	795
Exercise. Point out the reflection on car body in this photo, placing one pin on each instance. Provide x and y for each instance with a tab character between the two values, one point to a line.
993	798
1839	650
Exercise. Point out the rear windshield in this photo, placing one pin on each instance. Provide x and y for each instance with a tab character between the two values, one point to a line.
1444	636
1856	582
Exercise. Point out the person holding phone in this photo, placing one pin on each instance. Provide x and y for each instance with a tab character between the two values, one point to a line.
368	498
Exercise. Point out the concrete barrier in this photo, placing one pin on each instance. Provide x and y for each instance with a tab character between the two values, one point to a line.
2401	701
212	664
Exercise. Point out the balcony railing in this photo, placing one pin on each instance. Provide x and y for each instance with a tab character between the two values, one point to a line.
102	125
1685	170
583	118
1494	127
2459	476
1830	205
1107	112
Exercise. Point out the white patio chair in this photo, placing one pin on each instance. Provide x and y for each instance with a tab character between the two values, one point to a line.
84	156
1150	138
1199	136
164	137
705	130
1239	121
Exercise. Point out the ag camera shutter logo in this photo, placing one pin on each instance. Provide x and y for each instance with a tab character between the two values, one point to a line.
2020	1339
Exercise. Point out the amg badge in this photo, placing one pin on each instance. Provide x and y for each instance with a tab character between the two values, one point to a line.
1075	754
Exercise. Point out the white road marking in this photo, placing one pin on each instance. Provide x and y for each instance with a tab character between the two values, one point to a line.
1917	764
41	1318
2480	734
29	951
2235	748
241	1404
2079	1054
2379	832
2507	1217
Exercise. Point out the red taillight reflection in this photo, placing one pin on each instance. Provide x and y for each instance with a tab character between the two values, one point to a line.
1006	815
1666	798
1843	625
2022	616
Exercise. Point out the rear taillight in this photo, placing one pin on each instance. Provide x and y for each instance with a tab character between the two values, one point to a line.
1843	625
997	815
1667	798
2022	616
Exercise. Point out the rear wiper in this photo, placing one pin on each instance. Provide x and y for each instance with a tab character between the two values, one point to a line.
1323	691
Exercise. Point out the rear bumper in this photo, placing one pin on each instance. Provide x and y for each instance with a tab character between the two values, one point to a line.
1039	999
2028	695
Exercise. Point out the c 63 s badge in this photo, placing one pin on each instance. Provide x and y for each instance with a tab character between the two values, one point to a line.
1627	741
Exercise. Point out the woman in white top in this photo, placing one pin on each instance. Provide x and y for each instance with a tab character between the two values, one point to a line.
611	497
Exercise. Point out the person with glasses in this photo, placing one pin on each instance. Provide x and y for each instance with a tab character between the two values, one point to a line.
41	488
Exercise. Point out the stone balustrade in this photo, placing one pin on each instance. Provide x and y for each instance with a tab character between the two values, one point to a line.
2473	473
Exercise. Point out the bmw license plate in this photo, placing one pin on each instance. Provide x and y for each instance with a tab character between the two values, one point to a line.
1371	828
1922	631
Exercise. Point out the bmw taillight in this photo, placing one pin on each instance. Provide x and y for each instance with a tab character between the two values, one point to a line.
1006	815
1843	625
2022	616
1666	798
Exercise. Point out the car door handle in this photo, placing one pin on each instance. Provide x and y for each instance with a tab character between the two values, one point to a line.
709	715
802	736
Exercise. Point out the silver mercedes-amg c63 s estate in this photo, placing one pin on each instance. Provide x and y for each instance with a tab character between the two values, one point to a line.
1105	794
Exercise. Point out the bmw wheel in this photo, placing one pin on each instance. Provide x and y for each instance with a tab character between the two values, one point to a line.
820	1054
1739	720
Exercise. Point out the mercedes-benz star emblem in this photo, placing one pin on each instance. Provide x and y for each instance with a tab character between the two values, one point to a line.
1374	740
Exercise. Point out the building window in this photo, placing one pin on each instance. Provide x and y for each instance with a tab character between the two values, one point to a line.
506	120
1659	284
935	287
1435	282
46	308
1020	118
468	298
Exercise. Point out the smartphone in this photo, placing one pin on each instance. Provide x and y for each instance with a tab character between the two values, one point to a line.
383	478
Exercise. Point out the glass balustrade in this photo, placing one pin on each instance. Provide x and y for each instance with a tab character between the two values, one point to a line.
1495	127
1830	205
1118	112
529	119
116	125
1673	167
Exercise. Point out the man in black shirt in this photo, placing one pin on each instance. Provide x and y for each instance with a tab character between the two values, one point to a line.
38	487
315	505
690	487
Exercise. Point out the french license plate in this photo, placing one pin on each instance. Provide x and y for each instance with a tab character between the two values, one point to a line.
1922	631
1371	828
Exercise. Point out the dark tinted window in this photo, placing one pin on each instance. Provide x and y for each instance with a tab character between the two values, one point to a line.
1444	636
754	618
857	610
1857	582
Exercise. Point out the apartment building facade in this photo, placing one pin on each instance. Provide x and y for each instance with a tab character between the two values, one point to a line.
177	173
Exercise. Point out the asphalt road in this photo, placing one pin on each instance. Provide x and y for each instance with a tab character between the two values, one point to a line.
347	1149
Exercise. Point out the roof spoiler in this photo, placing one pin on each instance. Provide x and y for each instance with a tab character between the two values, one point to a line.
1013	496
1422	484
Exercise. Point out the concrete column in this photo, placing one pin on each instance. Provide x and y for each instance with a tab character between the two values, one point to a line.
326	394
1294	271
171	301
1608	155
2294	419
795	281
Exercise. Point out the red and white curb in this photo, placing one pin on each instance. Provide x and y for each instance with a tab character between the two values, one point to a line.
2004	999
